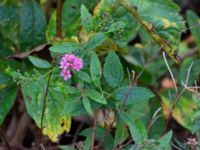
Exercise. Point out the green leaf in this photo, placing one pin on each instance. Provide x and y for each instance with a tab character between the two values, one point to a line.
87	105
32	25
5	78
95	69
113	70
8	13
135	94
95	41
65	48
164	141
116	26
84	76
57	120
142	129
193	20
86	18
88	142
107	137
126	117
135	133
121	134
66	147
96	96
51	28
7	99
194	72
40	63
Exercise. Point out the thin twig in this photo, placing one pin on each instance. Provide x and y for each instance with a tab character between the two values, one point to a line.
154	118
173	145
59	19
188	73
94	132
178	95
127	143
171	74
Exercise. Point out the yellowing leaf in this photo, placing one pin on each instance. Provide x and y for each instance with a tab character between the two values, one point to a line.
53	132
56	118
167	23
183	111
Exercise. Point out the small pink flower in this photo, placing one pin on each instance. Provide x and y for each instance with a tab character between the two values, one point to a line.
69	62
192	141
66	74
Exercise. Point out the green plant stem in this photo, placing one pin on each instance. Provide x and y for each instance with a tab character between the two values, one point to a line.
58	34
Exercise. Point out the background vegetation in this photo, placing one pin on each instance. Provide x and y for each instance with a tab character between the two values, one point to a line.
138	88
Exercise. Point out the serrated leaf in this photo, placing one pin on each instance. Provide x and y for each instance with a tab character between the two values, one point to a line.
193	20
113	70
40	63
95	41
7	98
117	21
32	25
162	26
95	69
96	96
86	18
56	119
135	94
87	105
65	48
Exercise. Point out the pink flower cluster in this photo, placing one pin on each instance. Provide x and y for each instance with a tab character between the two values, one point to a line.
69	62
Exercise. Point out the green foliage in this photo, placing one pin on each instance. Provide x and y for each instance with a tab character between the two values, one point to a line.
65	48
56	119
193	20
95	41
96	96
39	63
125	91
135	94
107	140
86	19
7	99
113	70
161	26
32	25
87	105
194	72
95	69
164	141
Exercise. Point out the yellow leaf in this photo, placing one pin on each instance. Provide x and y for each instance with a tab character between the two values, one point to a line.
53	132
